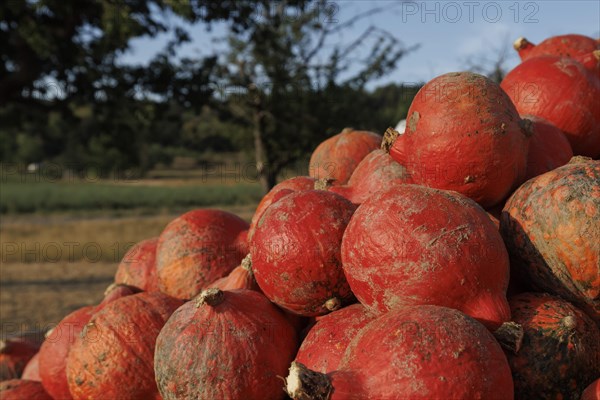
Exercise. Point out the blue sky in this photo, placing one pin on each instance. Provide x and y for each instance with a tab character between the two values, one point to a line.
449	32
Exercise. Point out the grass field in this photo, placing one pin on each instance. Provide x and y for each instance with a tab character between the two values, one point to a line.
44	197
61	242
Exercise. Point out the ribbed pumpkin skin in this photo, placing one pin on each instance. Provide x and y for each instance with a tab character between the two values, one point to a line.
233	350
464	134
548	148
551	226
55	349
279	191
560	354
424	352
113	357
562	91
325	344
337	157
592	392
14	355
413	245
32	369
562	45
196	249
375	172
296	252
22	389
138	266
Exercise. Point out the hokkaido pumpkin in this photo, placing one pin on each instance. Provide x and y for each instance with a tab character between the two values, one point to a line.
196	249
15	353
295	252
325	344
562	91
413	245
55	349
560	353
282	189
463	133
138	266
337	157
241	277
571	46
377	171
592	392
548	148
551	226
224	345
422	352
117	340
22	389
31	372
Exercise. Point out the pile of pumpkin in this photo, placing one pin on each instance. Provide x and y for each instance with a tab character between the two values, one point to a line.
384	274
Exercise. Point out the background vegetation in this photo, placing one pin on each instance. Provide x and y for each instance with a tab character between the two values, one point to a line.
281	87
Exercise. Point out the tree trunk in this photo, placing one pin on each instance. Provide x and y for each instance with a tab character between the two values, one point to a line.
267	176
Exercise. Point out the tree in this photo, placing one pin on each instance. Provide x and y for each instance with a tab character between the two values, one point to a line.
282	82
64	96
59	60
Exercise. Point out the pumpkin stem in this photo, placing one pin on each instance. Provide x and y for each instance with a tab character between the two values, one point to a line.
527	127
579	160
112	287
389	137
84	331
510	336
212	297
323	183
347	130
569	322
247	264
304	384
523	47
522	43
333	304
49	332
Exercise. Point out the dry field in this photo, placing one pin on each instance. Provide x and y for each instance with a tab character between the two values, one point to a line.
51	265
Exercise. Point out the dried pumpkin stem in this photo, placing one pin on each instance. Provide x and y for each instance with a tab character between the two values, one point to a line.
527	127
212	297
323	183
510	336
389	137
521	43
247	264
49	333
333	304
111	287
84	331
579	160
569	322
304	384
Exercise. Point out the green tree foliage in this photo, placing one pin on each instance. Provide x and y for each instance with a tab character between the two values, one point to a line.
284	85
292	91
61	84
